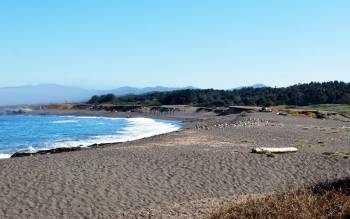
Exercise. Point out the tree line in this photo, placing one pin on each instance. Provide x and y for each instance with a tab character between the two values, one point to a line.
333	92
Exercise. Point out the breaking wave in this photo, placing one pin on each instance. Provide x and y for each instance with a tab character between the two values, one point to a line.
91	130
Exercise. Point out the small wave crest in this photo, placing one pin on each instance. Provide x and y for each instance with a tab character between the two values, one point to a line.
64	121
93	117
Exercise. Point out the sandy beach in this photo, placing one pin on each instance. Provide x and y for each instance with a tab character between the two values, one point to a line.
183	174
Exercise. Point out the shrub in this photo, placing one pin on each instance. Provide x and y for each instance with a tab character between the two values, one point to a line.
300	204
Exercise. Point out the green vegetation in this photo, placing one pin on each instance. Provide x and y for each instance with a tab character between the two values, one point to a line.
107	98
299	145
345	155
330	153
333	130
322	143
247	141
267	153
331	107
299	95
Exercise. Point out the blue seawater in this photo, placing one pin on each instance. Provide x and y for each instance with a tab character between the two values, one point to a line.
42	132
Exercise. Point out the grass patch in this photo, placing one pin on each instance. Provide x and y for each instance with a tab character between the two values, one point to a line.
299	145
331	107
329	200
330	153
345	155
333	132
290	205
322	143
247	141
267	153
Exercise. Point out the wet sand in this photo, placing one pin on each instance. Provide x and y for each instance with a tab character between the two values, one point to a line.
183	174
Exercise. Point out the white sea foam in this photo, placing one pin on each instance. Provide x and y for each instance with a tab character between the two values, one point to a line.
137	128
92	117
31	149
144	127
64	121
3	156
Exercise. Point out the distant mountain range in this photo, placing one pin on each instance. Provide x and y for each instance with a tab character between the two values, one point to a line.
253	86
133	90
52	93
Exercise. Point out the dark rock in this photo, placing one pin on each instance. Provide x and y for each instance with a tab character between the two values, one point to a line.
51	151
321	115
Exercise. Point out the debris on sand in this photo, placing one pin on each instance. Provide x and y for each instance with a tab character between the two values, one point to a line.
275	150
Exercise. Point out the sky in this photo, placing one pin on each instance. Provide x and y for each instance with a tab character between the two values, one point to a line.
201	43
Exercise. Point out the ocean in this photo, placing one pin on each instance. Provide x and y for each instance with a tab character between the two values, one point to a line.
41	132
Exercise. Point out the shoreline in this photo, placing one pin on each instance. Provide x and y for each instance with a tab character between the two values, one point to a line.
54	150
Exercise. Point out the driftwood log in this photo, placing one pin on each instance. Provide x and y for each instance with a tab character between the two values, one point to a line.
275	150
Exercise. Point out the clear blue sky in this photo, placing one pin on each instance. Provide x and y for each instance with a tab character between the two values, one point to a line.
217	43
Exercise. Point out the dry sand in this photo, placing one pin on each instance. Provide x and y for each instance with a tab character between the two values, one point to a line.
183	174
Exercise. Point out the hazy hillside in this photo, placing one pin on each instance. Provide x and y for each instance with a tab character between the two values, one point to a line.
133	90
48	93
52	93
